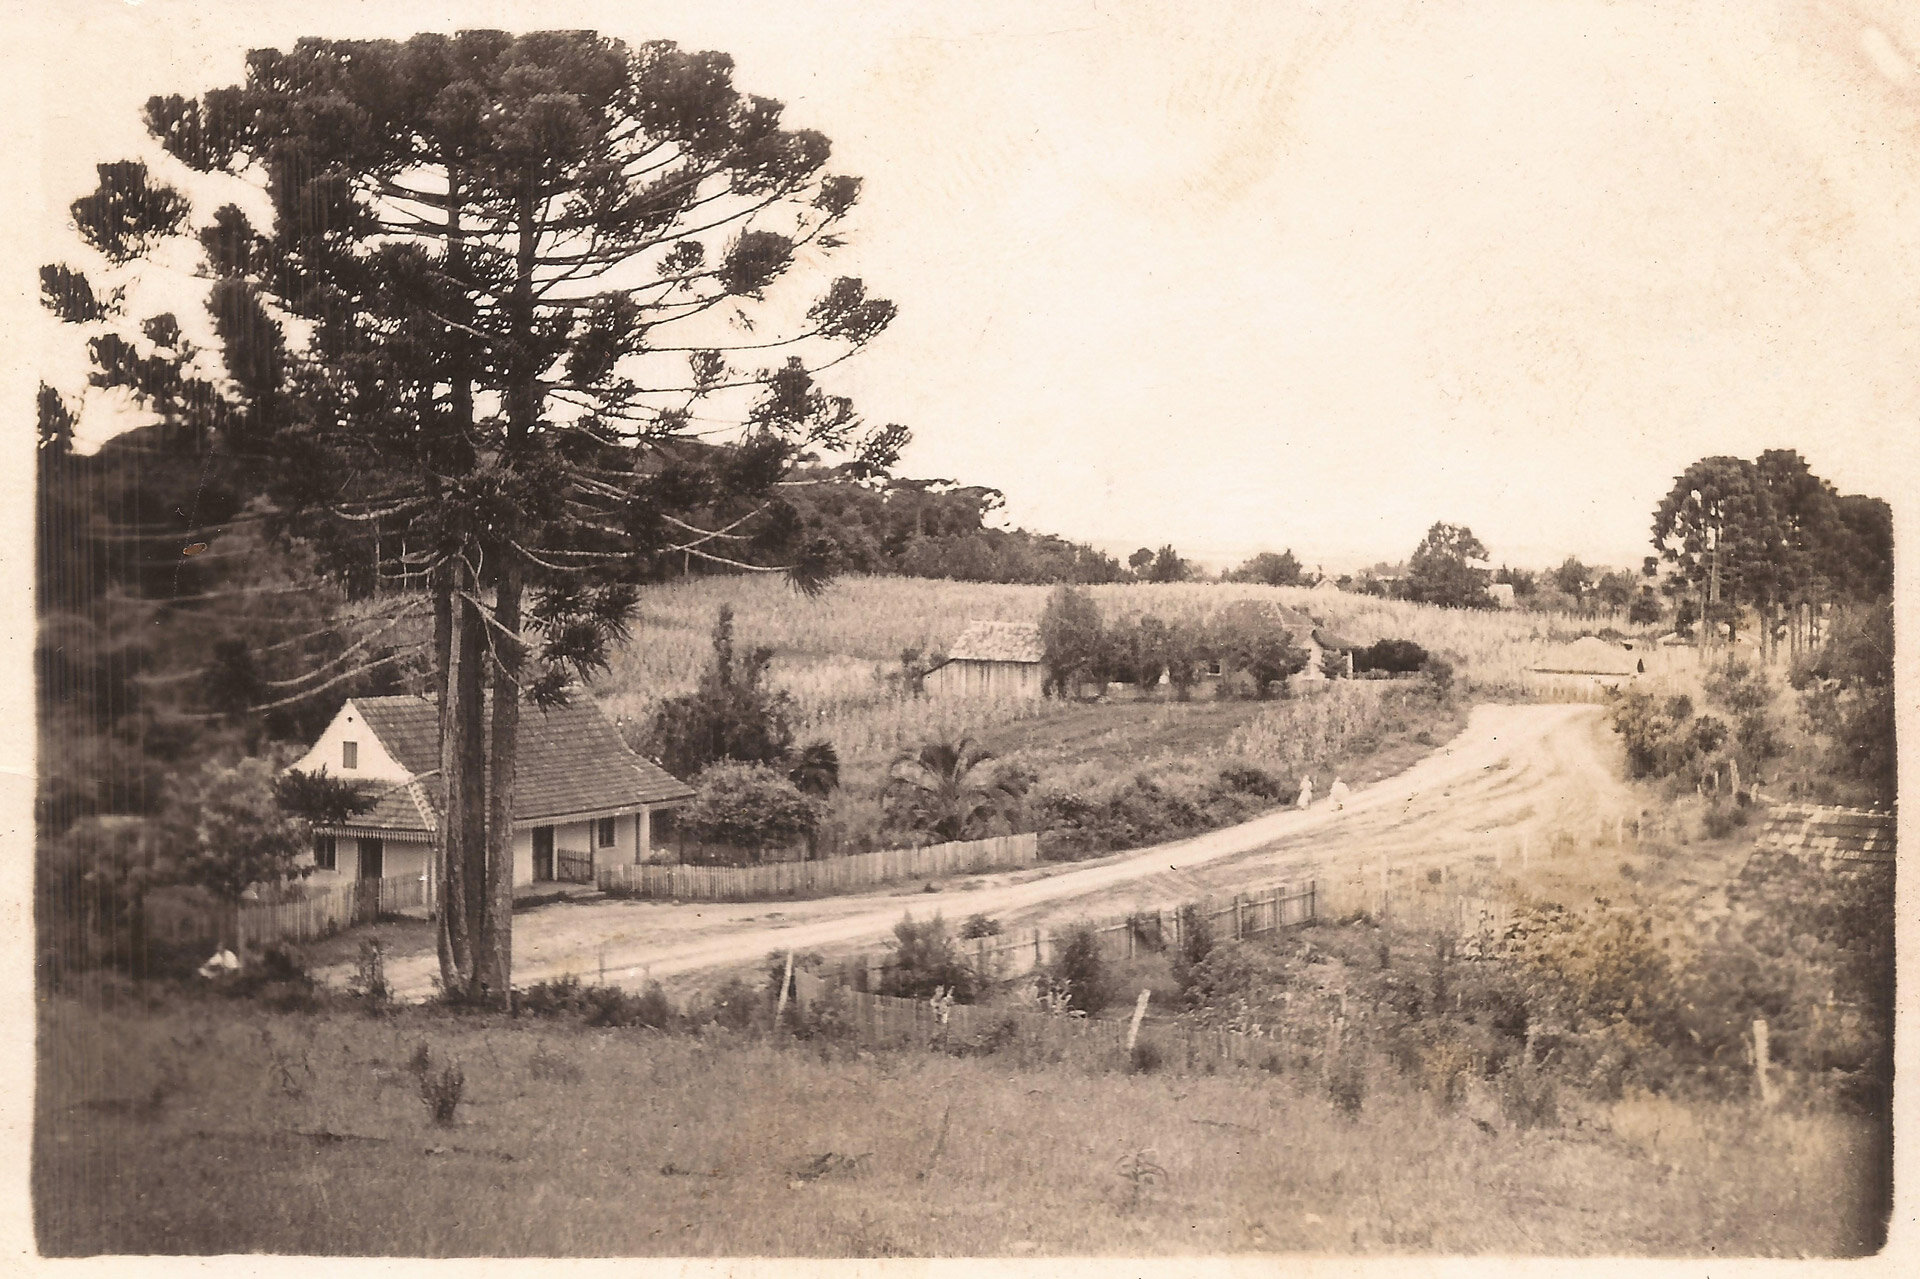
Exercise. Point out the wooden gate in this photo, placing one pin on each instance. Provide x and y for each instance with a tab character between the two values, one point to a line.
573	868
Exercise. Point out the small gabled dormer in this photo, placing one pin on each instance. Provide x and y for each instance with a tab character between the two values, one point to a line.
349	749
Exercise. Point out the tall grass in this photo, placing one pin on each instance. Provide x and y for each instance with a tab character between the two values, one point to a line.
224	1129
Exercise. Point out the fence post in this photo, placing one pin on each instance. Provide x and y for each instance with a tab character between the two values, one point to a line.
1133	1028
1761	1051
780	1009
1386	888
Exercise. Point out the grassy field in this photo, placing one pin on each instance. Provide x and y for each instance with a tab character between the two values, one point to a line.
217	1127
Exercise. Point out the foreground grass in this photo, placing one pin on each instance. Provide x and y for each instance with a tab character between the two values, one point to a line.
215	1127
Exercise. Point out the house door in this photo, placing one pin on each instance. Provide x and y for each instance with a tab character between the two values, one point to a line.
373	858
542	853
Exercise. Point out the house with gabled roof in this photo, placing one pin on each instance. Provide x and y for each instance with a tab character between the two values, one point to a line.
582	796
992	659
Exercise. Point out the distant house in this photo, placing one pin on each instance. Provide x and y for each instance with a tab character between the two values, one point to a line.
1588	660
1844	842
581	797
1501	594
992	659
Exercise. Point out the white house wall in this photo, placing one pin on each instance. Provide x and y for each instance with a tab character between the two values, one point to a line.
374	763
397	859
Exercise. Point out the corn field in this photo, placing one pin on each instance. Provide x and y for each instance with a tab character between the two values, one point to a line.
835	652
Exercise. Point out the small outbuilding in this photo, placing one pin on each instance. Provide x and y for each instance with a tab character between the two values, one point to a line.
992	659
1588	660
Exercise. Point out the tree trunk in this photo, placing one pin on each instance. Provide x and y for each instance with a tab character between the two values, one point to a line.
493	940
493	937
469	734
456	951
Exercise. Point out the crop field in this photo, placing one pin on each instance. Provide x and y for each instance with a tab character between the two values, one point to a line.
826	649
833	653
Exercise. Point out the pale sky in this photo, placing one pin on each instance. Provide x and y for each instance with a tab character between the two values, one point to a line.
1272	274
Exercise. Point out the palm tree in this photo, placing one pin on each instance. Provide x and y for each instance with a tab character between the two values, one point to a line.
814	768
952	788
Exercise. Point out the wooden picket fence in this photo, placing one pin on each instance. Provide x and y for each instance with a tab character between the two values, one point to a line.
1007	956
819	878
884	1021
315	913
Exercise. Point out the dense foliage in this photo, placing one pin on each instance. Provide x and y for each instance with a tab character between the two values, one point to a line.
749	806
734	714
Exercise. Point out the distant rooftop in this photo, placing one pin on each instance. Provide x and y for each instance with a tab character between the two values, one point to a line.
1831	834
998	642
1589	655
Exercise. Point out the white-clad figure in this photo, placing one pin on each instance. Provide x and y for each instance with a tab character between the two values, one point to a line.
1306	791
1337	794
223	961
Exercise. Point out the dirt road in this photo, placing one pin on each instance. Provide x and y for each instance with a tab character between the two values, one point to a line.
1512	769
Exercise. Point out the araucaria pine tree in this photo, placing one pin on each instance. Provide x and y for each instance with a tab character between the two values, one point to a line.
515	324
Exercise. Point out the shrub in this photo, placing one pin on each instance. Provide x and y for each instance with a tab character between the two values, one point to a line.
443	1091
552	998
1146	1058
548	1064
924	961
1393	656
370	976
1254	781
1196	943
1082	969
613	1007
1347	1083
978	926
734	1006
1721	820
749	806
732	715
1529	1096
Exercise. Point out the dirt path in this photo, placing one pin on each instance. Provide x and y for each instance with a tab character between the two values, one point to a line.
1512	768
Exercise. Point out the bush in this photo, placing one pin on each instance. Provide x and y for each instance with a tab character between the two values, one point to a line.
611	1006
443	1091
1393	656
732	715
1196	943
1347	1083
1254	781
370	976
925	961
749	806
554	998
978	926
1721	820
735	1006
1529	1096
1082	969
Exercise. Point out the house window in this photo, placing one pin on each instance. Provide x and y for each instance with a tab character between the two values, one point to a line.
325	855
349	754
606	832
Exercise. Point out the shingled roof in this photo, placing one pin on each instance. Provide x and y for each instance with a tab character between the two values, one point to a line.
1588	655
1828	834
571	758
998	642
399	810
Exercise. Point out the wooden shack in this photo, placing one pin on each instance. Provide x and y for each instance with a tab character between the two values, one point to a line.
991	659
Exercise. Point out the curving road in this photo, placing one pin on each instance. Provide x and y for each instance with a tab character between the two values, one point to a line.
1513	769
